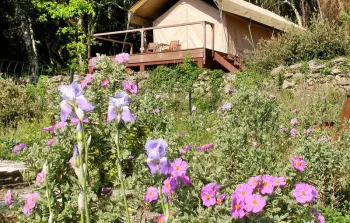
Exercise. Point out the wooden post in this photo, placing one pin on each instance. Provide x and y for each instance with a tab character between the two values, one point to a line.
142	43
213	39
204	41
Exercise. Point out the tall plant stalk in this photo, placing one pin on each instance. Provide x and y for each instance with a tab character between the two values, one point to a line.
82	144
120	175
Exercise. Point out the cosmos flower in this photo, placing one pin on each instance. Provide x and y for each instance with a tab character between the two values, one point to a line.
122	58
8	198
151	194
298	163
254	203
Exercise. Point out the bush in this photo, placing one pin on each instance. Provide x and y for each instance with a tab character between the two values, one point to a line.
322	40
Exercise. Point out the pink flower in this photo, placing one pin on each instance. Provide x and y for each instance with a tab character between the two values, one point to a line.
253	182
75	121
160	218
156	111
304	193
186	180
298	163
318	217
17	148
49	129
130	87
87	80
169	185
267	185
122	58
242	191
28	207
205	147
279	181
254	144
293	121
105	82
284	130
220	199
71	162
237	210
308	131
51	142
185	149
40	178
34	197
254	203
158	96
179	167
293	132
151	194
208	197
61	126
8	198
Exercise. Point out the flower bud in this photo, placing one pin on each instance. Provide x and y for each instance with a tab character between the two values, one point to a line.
45	168
80	147
80	114
81	201
79	133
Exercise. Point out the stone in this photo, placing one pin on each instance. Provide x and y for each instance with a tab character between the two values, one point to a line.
299	76
294	68
317	68
277	70
288	75
335	71
314	75
339	60
287	84
344	81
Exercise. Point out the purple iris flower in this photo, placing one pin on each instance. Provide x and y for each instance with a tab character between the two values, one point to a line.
118	108
73	98
157	161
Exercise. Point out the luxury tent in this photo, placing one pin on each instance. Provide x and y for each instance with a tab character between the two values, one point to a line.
216	33
238	24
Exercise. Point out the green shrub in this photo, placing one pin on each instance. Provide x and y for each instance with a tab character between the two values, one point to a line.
322	40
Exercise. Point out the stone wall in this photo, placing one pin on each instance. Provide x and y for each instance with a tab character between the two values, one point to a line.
329	74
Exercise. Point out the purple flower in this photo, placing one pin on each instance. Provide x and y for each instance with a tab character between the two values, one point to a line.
253	182
51	142
298	163
304	193
284	130
179	167
308	131
208	197
49	129
185	149
156	111
118	108
17	148
205	147
122	58
151	194
73	98
156	161
318	217
61	126
279	181
267	184
107	191
75	121
186	180
105	82
169	185
220	199
87	80
237	210
8	198
242	191
254	203
28	207
226	106
130	87
40	178
293	132
71	162
293	121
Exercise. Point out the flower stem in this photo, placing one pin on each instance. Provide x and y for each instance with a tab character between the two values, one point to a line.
48	194
84	173
121	178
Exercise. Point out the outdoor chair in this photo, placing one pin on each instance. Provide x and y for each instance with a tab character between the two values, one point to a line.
173	46
152	48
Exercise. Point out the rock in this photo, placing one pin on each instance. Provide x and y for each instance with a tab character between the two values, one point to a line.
288	75
294	68
314	75
11	173
317	68
335	71
299	76
277	70
339	61
287	84
343	81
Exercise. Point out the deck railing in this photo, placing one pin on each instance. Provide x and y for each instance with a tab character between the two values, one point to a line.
142	32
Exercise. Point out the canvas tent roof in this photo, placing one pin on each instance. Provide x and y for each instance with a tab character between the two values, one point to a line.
146	11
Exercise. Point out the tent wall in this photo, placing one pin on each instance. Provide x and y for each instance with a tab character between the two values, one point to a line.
240	38
191	36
